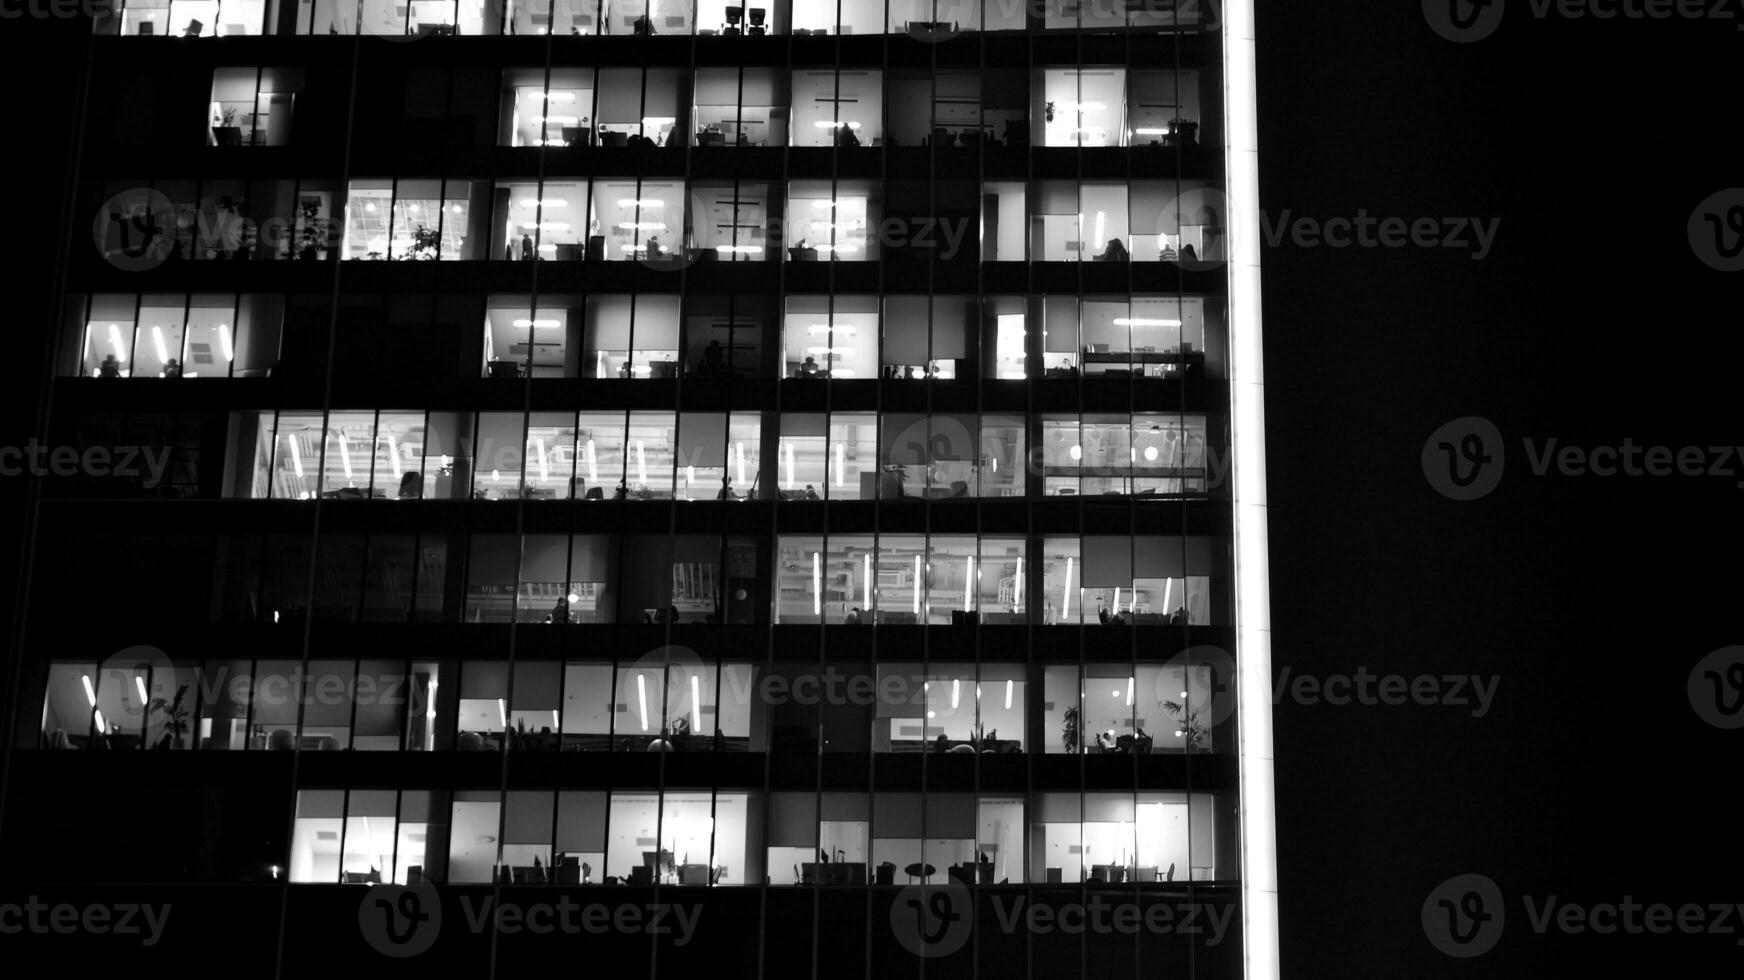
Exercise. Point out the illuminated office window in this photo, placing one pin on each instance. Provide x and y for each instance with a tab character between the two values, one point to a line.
804	453
550	455
729	222
639	107
852	463
500	456
930	337
252	106
593	576
599	454
1003	221
413	220
830	337
398	456
838	108
522	340
1169	455
533	221
902	583
638	220
726	18
1082	107
483	708
631	337
1164	110
178	336
183	18
836	220
474	836
1178	221
650	451
555	109
741	107
802	590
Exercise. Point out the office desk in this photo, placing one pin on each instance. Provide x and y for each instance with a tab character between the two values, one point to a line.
839	873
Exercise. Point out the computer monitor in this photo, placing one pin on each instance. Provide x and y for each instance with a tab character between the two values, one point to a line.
660	862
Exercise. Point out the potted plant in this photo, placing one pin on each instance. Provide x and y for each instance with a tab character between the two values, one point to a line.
1069	731
227	133
310	246
175	719
1191	733
426	242
1183	132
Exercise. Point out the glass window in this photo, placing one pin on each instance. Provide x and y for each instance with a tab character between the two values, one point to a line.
902	586
799	579
108	343
316	837
853	457
724	336
641	220
729	222
157	344
1083	107
501	445
804	450
650	451
1179	463
368	218
544	224
580	837
474	832
830	337
554	111
740	107
348	455
490	589
838	108
1103	222
544	592
328	689
835	221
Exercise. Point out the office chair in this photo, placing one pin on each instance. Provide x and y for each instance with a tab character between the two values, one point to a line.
193	29
757	14
735	15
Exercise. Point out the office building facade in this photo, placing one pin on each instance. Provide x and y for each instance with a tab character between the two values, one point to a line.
783	484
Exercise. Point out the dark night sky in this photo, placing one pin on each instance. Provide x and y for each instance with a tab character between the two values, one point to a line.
1590	778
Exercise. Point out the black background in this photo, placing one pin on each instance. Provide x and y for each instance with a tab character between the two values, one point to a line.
1590	778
